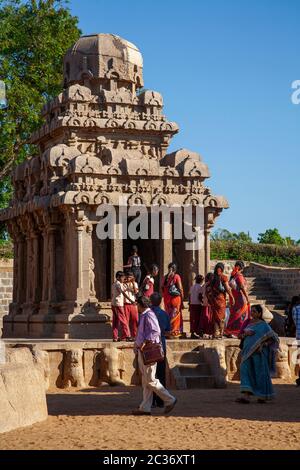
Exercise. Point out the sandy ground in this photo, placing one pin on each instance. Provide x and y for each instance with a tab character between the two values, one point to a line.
203	419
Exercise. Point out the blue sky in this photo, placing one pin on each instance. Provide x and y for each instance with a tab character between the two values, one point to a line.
225	69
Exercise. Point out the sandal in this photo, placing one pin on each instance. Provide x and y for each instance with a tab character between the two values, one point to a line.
242	400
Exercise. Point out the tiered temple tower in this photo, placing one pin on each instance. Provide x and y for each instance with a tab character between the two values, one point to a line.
103	137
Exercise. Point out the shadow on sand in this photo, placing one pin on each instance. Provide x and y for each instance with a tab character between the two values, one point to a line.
121	400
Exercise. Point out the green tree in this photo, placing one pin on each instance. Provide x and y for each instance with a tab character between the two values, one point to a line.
221	234
226	235
271	237
242	237
34	36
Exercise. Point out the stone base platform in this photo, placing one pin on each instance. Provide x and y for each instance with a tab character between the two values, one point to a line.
89	324
77	326
86	363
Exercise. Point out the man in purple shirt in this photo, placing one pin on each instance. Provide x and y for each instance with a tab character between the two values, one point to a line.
149	330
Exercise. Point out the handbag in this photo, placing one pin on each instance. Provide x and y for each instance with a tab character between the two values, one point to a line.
221	287
152	352
173	291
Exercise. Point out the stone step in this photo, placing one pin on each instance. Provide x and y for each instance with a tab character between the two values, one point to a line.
276	307
183	344
256	279
257	282
254	285
195	370
280	312
263	291
190	357
266	298
204	381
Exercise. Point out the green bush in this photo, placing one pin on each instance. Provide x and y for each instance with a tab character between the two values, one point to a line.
6	249
273	255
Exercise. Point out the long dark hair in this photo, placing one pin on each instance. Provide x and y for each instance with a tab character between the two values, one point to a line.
216	276
240	264
172	266
259	310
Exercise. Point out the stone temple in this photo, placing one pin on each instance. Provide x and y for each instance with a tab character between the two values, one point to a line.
104	136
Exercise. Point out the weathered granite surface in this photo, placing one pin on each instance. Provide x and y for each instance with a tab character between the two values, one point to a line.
22	391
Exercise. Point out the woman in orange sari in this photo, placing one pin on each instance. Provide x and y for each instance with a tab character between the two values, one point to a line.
173	299
239	312
217	289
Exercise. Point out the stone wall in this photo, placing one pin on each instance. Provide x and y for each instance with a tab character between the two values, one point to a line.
286	281
6	287
84	364
229	265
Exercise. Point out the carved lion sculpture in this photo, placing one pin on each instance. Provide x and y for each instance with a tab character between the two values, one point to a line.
73	369
233	362
42	361
283	370
215	358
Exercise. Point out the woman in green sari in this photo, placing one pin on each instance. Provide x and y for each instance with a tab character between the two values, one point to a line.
259	343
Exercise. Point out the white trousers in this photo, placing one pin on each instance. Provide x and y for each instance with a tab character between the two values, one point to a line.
151	384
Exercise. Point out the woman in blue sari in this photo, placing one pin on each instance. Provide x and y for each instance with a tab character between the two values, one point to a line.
259	343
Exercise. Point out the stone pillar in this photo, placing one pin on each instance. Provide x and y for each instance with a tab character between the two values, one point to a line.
45	265
90	264
79	234
51	295
166	248
207	249
44	304
200	261
77	253
117	261
18	241
25	278
17	300
32	267
40	324
70	264
210	215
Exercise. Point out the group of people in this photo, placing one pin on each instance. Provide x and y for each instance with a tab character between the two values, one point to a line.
128	287
138	317
208	303
209	315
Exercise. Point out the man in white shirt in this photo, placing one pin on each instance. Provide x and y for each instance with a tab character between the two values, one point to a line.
131	310
119	319
149	330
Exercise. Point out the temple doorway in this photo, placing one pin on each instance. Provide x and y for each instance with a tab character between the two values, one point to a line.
102	260
149	252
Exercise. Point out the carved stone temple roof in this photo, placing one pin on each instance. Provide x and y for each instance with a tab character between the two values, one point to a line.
104	136
103	56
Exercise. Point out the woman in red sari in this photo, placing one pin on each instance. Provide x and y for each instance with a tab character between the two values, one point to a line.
239	312
216	293
206	320
173	299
